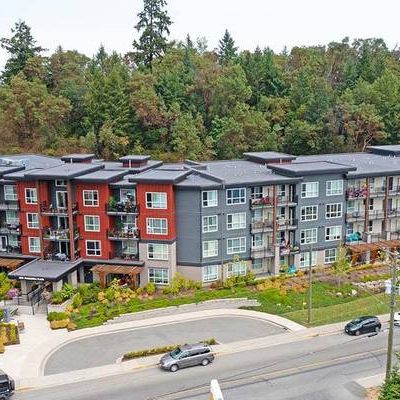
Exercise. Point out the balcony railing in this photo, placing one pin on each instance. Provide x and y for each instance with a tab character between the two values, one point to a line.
123	207
262	251
355	216
266	201
289	249
377	191
264	225
59	235
354	193
49	209
376	214
393	213
14	228
123	234
286	223
394	191
9	205
290	199
12	249
126	256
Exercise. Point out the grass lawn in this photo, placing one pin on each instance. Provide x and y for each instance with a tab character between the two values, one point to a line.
328	307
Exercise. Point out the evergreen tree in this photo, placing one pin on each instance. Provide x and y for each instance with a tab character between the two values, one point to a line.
226	50
154	24
21	47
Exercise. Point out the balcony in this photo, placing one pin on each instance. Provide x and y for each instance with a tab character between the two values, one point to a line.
59	235
122	208
7	228
123	234
261	226
394	191
9	205
290	200
262	251
286	223
50	210
288	249
378	191
266	201
376	214
125	255
12	249
393	213
354	193
355	216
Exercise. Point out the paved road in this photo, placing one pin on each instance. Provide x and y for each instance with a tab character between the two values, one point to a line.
320	368
106	349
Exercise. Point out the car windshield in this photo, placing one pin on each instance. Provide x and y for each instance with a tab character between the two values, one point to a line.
356	321
175	353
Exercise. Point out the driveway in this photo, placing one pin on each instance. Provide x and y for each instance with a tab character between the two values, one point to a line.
107	348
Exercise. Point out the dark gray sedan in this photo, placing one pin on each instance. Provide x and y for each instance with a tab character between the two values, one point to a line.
188	355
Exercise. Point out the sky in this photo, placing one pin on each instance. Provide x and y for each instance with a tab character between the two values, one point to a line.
85	24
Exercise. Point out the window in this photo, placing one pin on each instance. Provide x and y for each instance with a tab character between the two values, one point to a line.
31	196
350	206
308	236
159	276
157	226
62	199
309	189
210	248
210	223
305	259
12	217
333	210
157	251
330	256
236	221
334	188
10	192
237	269
90	198
13	240
61	182
236	245
32	220
34	244
333	233
236	196
128	223
127	194
210	273
371	205
257	240
92	223
156	200
309	213
257	264
281	191
93	247
257	192
210	198
370	226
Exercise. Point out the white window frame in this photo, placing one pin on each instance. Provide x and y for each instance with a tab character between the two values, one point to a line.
60	182
89	226
305	259
309	190
14	219
237	221
334	188
156	200
329	238
13	193
310	236
151	229
97	250
206	202
240	199
32	224
328	257
34	248
157	251
210	273
65	196
338	213
311	216
162	279
208	227
207	251
32	197
90	202
237	269
236	249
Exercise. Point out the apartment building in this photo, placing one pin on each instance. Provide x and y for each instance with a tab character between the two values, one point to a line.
79	219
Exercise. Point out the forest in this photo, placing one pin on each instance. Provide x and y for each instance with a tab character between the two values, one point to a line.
176	100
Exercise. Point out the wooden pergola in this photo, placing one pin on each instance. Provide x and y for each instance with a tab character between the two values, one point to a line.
10	263
104	269
373	248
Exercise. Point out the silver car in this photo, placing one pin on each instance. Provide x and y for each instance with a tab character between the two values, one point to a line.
188	355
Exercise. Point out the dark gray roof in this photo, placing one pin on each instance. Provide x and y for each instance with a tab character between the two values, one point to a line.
30	161
77	157
161	176
387	150
125	182
268	156
7	170
101	176
310	168
44	270
64	171
134	158
198	181
115	165
20	174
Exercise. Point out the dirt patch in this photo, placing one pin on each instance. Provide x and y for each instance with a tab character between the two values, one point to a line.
372	394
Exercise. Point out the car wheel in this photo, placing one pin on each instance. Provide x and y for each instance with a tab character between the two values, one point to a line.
205	362
173	368
357	333
377	329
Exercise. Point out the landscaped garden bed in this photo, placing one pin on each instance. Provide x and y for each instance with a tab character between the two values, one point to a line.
8	335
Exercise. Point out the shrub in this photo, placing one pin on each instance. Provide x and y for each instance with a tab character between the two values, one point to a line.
59	324
57	297
89	292
150	288
56	316
77	301
9	334
179	284
67	291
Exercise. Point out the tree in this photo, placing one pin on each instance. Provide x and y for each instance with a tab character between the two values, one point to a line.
342	264
390	389
5	285
153	24
226	50
21	46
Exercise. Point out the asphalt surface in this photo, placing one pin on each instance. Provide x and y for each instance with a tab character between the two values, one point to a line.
320	368
106	349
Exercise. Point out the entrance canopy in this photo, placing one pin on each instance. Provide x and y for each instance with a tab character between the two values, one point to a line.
10	263
376	246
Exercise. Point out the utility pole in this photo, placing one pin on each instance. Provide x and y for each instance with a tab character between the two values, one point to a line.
309	287
393	261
